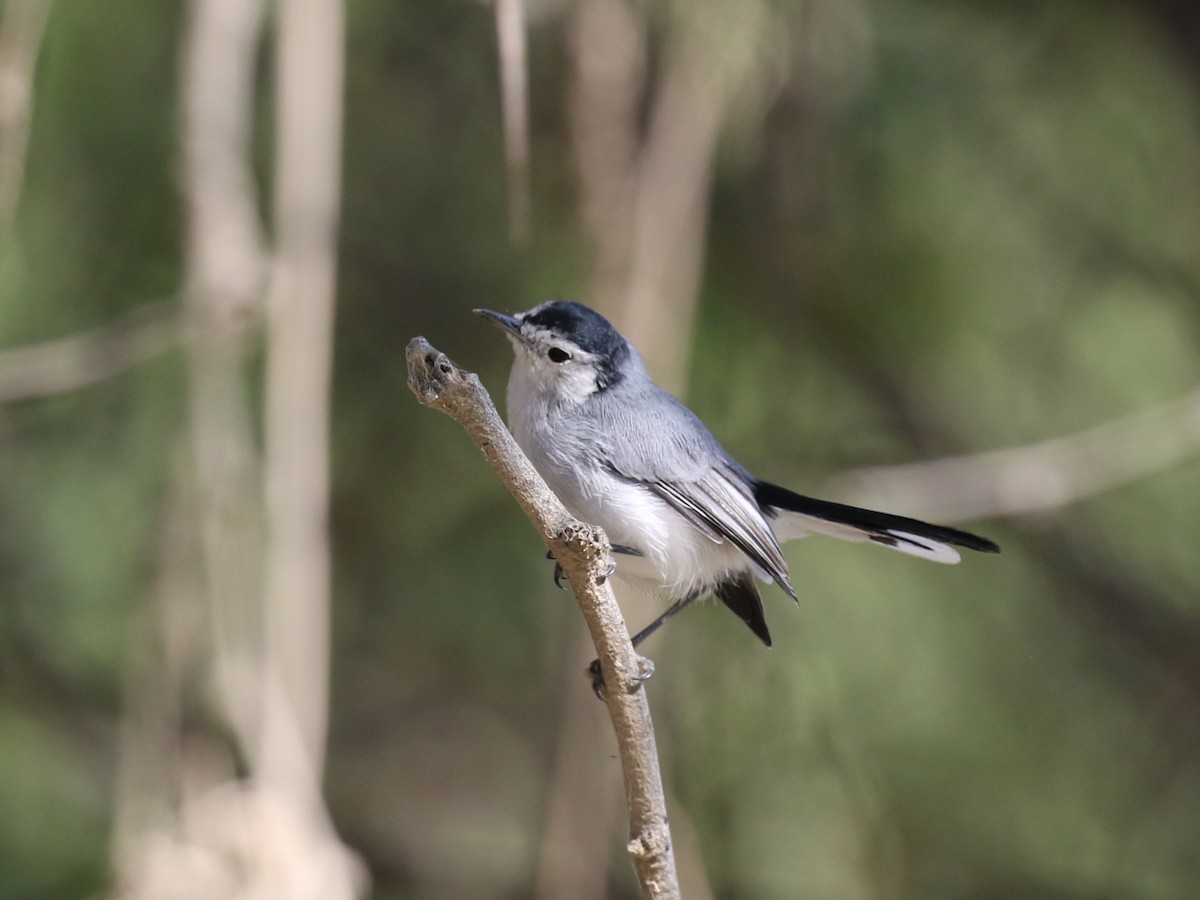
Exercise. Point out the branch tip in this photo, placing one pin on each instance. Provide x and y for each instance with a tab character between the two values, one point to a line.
431	374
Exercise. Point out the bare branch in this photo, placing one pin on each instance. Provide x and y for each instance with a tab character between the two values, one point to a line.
266	579
298	373
224	268
75	362
1036	477
583	552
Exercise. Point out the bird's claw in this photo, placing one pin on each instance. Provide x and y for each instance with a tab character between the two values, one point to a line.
558	572
645	670
559	575
593	672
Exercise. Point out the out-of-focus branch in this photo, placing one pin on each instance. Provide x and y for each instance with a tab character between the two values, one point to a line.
644	191
166	652
514	96
569	864
290	740
225	267
267	834
1037	477
75	362
607	44
291	735
21	32
224	254
671	202
189	808
299	365
583	552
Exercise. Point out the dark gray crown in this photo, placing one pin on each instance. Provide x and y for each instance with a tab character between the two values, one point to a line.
588	330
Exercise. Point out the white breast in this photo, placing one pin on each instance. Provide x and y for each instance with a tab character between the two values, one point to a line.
677	558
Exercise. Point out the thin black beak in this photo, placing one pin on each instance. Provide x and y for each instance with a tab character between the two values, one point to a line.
500	320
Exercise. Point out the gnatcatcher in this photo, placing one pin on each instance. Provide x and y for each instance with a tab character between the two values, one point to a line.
624	454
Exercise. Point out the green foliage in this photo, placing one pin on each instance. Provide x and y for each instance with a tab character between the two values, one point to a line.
55	808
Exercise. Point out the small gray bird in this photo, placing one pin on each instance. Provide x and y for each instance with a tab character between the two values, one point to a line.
622	453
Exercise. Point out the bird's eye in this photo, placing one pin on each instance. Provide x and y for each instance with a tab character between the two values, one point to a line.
558	355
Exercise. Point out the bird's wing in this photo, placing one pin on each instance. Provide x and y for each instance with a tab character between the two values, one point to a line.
674	456
720	505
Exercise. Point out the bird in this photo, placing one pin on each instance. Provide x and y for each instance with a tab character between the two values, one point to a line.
684	517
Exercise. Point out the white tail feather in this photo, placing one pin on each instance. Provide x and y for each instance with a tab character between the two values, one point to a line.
789	526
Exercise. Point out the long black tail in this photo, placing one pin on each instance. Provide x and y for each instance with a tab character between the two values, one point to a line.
898	532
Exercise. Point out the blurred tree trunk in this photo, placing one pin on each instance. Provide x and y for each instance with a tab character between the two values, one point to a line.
299	369
261	518
644	195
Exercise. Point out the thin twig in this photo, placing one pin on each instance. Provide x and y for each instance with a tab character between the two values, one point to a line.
583	552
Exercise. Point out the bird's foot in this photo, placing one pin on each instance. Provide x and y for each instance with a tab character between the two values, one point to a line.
612	564
559	575
645	670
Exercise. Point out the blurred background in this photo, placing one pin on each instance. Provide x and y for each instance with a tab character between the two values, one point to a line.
935	258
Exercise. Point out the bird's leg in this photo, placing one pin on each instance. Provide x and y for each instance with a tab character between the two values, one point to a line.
593	670
667	613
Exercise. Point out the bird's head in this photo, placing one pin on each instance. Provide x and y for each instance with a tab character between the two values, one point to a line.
565	350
